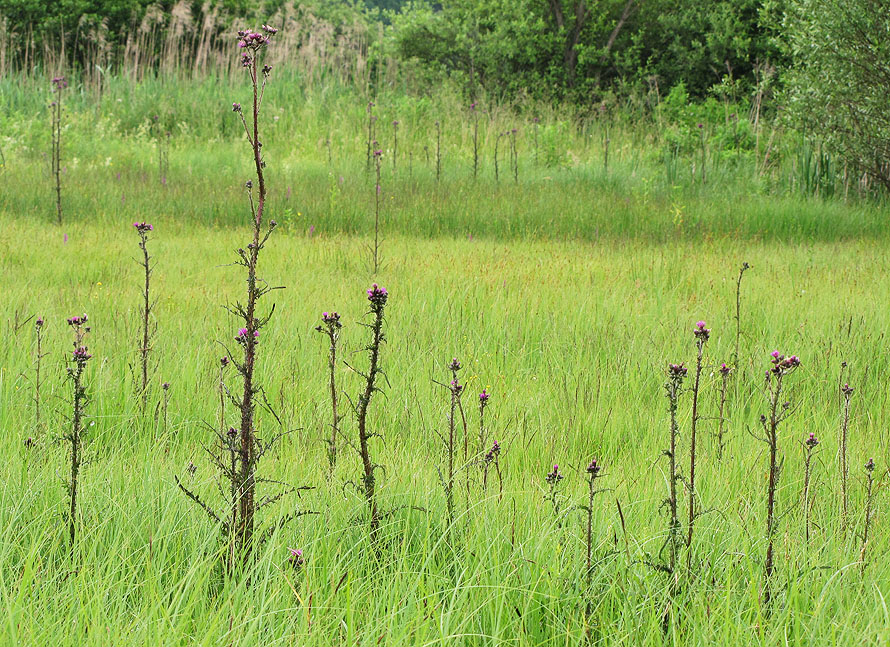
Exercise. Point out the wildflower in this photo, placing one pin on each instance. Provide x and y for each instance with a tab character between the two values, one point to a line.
554	476
701	331
847	390
483	397
77	321
270	30
677	371
143	227
378	153
81	354
455	365
725	370
29	442
783	365
267	69
232	433
331	318
811	441
236	107
395	123
224	361
593	468
39	323
166	386
243	335
870	465
456	387
296	558
377	295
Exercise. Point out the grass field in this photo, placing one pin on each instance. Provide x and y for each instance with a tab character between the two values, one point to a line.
564	295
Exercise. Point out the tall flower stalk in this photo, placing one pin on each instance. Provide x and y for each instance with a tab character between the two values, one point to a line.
143	229
79	399
241	443
809	444
702	333
847	393
38	358
377	296
676	375
330	326
778	412
60	83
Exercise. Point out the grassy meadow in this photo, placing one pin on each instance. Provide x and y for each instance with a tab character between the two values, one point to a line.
565	293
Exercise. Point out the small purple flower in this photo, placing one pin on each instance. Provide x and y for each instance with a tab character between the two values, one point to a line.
143	227
725	370
39	322
296	558
29	442
243	335
236	107
77	321
701	331
270	30
454	366
870	465
224	361
81	354
483	397
811	441
378	153
847	390
166	386
493	453
554	477
677	371
377	295
65	238
593	468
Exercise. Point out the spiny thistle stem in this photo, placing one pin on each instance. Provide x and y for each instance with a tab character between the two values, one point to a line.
330	326
869	499
778	411
438	150
143	229
79	359
59	83
376	251
38	357
725	372
702	333
377	296
455	389
221	388
847	393
676	374
809	445
484	397
593	471
738	312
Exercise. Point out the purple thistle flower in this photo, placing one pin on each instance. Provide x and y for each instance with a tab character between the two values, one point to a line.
593	468
454	365
166	386
377	295
701	331
725	370
870	465
483	397
811	441
224	361
143	227
236	107
39	322
554	476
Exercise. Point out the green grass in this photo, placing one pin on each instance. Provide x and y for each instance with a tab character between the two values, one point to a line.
565	296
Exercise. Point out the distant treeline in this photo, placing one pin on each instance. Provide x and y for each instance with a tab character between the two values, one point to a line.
573	50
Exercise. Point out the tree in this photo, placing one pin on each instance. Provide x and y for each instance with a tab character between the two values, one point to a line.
837	87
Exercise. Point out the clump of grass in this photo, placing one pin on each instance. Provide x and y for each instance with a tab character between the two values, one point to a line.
782	366
79	399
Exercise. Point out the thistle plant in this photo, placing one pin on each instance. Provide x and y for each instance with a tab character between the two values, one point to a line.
143	229
330	327
725	371
514	156
59	83
869	500
484	397
847	393
593	472
475	115
372	119
241	449
809	445
701	333
492	457
375	251
395	144
554	479
676	374
223	392
38	358
782	366
455	389
377	297
79	400
738	312
438	150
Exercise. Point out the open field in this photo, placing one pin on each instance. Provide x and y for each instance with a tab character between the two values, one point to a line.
565	293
